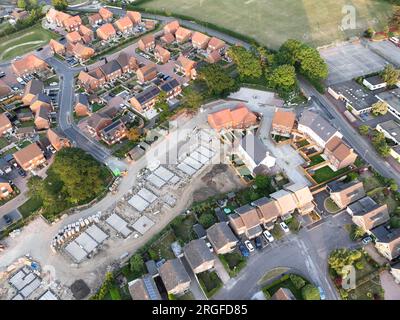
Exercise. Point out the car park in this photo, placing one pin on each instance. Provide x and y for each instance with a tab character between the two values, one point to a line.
249	245
284	227
268	236
245	252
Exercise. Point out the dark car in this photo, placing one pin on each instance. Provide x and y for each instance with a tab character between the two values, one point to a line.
39	49
7	219
22	173
258	242
245	252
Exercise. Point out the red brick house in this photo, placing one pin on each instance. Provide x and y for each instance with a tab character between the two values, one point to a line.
183	35
147	43
106	32
162	55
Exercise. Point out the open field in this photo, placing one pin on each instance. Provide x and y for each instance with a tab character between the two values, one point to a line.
24	41
273	21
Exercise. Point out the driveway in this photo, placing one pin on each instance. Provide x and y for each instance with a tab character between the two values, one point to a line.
392	289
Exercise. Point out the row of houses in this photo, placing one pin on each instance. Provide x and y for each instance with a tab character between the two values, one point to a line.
28	65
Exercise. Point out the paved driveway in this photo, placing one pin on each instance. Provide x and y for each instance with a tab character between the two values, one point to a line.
392	289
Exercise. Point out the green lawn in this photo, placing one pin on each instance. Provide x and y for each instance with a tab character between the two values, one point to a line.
233	262
10	151
210	282
30	206
97	106
316	160
274	21
25	124
24	41
3	143
330	206
326	173
162	247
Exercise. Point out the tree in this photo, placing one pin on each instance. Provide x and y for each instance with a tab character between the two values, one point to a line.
394	186
351	176
283	78
364	129
60	4
339	258
207	220
264	184
21	4
369	33
297	281
248	65
390	75
356	232
379	108
136	265
133	134
192	99
310	292
217	80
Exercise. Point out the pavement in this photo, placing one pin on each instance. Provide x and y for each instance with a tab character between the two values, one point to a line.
392	289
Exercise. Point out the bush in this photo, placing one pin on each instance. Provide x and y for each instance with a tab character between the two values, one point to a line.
343	294
207	220
297	281
359	265
310	292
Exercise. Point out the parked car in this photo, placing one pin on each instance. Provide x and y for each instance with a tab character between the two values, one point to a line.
210	246
2	74
258	242
321	293
245	252
22	173
366	240
249	245
284	227
7	219
268	236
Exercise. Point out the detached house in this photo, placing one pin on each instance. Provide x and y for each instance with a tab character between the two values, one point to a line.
147	43
30	157
147	73
5	124
28	65
72	23
81	52
200	40
56	47
221	238
317	128
186	66
283	123
98	122
367	214
106	14
339	154
167	38
162	55
183	35
174	276
73	37
198	256
135	17
171	27
32	89
215	44
95	19
57	139
114	132
145	100
106	32
124	24
82	105
42	118
344	194
112	70
387	241
86	34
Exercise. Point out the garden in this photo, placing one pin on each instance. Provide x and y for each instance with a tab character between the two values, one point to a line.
298	286
326	174
209	282
233	262
367	284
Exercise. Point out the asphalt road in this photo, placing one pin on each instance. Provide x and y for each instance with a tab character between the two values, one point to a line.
362	147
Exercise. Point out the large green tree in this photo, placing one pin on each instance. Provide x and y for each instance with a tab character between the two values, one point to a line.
192	99
136	265
310	292
217	80
339	258
248	64
390	75
283	78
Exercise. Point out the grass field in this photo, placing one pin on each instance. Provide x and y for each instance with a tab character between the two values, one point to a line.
24	41
271	22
